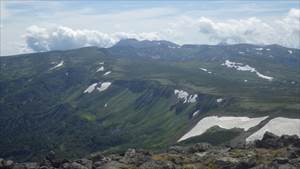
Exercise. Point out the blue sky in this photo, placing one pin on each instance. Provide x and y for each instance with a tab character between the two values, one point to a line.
33	26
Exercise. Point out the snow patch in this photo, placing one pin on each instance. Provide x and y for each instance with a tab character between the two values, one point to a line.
195	113
224	122
100	69
219	100
241	53
101	63
181	94
103	86
91	88
290	51
278	126
205	70
242	67
61	63
259	49
264	76
106	73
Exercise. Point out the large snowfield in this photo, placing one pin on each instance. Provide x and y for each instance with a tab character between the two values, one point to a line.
278	126
224	122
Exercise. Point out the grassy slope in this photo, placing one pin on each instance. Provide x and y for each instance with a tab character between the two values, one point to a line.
141	111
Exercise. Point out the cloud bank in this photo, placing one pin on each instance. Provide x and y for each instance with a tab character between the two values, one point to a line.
283	31
40	39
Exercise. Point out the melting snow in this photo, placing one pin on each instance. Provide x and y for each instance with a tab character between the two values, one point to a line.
103	86
205	70
245	80
193	98
290	52
268	49
172	47
278	126
195	113
91	88
106	73
100	69
105	105
241	53
61	63
259	49
224	122
181	94
242	67
264	76
219	100
101	63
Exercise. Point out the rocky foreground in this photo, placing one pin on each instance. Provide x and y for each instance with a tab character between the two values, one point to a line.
271	152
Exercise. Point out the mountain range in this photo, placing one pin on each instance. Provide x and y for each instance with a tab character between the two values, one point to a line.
145	94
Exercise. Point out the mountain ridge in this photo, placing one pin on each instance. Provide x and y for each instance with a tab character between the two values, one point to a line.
151	100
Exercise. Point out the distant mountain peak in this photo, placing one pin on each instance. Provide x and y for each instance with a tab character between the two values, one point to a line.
145	43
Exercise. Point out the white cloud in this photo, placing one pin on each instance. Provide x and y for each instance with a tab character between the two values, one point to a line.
283	31
60	38
180	29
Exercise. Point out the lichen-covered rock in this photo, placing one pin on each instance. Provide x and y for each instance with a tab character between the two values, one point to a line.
157	165
136	157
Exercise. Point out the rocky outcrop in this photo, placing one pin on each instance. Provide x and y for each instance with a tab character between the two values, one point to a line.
270	140
272	152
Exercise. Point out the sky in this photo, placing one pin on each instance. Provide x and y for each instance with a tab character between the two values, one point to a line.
38	26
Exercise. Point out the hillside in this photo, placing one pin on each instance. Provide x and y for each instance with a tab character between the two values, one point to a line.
142	94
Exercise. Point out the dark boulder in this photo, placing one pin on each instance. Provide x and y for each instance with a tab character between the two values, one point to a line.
6	164
269	140
199	147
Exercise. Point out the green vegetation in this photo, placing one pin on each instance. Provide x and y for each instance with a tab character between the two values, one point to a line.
43	109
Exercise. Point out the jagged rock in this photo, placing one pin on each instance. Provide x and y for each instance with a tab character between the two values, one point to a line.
85	162
157	165
285	166
226	162
135	157
177	150
199	147
29	165
74	165
113	165
281	160
295	162
115	157
246	163
290	140
6	164
269	140
262	166
98	156
50	156
293	152
1	161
